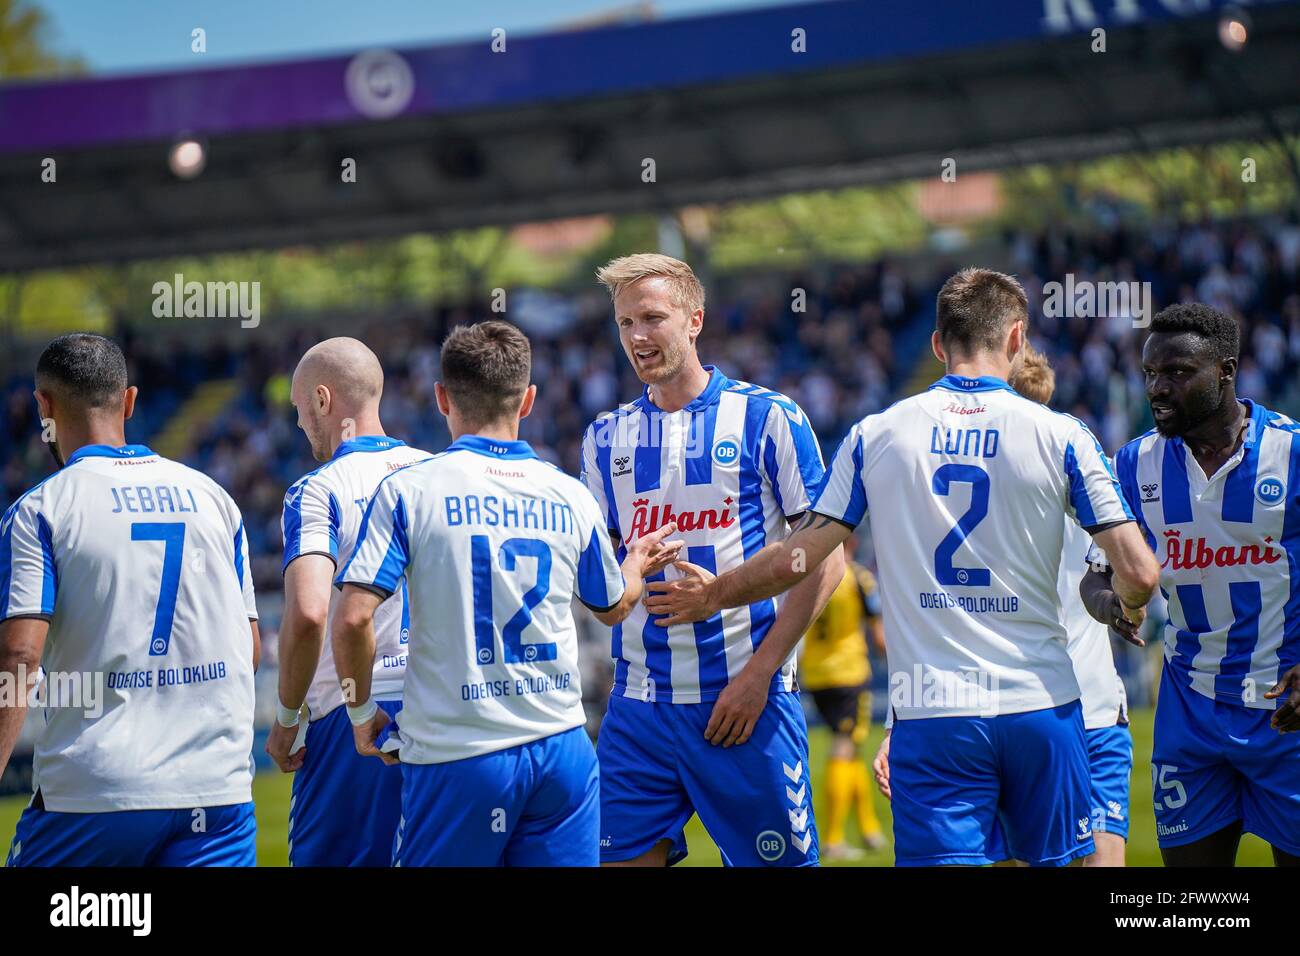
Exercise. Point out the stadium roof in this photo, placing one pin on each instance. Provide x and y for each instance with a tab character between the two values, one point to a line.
560	125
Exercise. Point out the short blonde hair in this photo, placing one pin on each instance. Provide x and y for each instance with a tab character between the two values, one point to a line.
1034	377
617	274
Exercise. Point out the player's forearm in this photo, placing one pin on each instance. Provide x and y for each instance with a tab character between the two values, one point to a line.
800	608
1134	572
301	642
18	670
1097	595
353	642
1134	589
12	715
778	567
765	575
633	589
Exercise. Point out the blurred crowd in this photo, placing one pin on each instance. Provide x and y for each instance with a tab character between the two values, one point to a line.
1250	270
841	340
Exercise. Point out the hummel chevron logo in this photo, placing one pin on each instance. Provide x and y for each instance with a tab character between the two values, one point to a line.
796	796
794	774
798	819
802	842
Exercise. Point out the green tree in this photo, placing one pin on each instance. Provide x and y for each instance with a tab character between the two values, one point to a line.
24	43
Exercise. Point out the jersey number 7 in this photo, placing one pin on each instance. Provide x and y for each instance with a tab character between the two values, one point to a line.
172	534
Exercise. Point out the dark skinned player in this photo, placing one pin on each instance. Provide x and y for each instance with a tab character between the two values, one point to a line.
1216	490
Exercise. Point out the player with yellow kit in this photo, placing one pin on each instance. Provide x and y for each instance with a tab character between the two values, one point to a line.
835	669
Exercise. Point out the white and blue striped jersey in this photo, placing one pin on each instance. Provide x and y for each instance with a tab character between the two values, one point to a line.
140	565
1101	691
322	515
493	544
729	468
1229	547
971	483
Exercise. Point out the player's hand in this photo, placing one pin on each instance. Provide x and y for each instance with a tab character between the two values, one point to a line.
1134	616
364	736
1286	719
280	742
682	601
737	709
880	767
1123	624
654	552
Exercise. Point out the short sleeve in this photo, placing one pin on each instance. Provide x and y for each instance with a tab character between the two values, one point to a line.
1093	492
600	584
243	572
792	459
382	553
595	471
310	521
29	574
842	494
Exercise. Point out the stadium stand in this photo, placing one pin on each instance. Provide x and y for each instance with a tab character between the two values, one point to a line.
861	344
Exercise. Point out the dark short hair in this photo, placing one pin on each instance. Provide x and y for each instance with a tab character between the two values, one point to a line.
486	368
88	369
1218	332
976	306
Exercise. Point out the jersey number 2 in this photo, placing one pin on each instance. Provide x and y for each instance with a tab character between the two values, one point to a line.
172	534
978	479
485	642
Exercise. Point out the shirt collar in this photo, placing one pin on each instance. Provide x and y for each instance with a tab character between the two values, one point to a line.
1252	426
1252	430
1254	412
109	451
717	382
961	383
493	447
366	443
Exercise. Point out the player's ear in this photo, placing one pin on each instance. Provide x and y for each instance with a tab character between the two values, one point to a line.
695	324
1228	371
526	406
128	402
44	404
936	345
440	396
1016	342
323	400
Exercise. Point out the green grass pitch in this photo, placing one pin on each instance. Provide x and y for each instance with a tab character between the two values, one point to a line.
271	796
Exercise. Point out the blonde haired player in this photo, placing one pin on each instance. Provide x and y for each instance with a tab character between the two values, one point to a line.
703	718
836	670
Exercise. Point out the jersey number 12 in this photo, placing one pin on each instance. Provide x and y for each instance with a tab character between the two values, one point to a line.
485	642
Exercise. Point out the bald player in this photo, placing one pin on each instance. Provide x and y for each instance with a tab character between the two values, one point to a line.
345	808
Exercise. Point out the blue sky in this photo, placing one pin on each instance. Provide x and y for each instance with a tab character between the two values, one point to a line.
114	36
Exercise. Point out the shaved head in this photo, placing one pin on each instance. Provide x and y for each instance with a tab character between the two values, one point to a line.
346	367
337	384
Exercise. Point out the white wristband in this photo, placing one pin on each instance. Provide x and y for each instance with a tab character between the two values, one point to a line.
288	716
362	713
